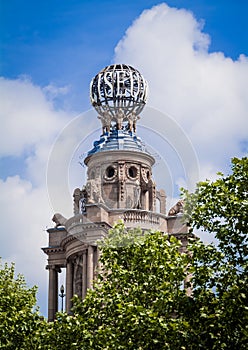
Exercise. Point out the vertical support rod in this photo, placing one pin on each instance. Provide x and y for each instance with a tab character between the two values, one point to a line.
56	290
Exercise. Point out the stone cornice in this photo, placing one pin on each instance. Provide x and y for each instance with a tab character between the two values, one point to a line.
49	250
56	229
120	155
82	235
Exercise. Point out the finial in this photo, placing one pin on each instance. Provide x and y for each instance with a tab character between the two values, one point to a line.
119	94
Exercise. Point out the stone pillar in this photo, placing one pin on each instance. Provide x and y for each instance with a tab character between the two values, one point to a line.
84	275
98	265
146	200
188	285
90	267
161	196
69	285
52	292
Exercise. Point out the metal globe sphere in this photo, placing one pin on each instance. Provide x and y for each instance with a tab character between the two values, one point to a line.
118	88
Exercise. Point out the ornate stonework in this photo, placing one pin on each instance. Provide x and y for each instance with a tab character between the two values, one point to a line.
177	208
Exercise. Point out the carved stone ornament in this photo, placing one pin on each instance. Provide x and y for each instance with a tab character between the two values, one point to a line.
110	172
136	196
94	191
145	174
177	208
132	172
119	119
59	220
122	179
132	119
78	275
106	121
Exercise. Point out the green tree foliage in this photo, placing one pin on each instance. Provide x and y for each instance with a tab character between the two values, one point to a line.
19	321
139	303
136	303
219	307
221	208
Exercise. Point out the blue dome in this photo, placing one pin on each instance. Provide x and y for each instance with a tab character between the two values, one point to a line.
118	140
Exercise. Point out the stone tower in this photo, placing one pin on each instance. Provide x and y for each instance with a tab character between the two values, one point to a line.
119	186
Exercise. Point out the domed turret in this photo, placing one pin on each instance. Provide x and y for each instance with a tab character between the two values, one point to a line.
119	185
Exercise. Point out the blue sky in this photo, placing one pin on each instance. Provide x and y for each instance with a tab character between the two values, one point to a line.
67	42
196	64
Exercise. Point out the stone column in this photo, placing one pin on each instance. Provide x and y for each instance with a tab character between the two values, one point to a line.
52	292
90	267
84	275
146	201
98	268
69	285
161	197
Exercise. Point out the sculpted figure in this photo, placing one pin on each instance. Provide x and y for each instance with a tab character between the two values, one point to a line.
119	119
177	208
106	122
59	220
137	192
78	275
132	119
93	192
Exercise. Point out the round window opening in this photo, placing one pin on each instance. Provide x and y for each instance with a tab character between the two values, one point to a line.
132	171
110	171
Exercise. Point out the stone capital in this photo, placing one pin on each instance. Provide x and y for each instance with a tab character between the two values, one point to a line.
53	267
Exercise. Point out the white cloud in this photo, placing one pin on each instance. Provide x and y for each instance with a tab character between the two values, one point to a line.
27	117
29	126
206	93
24	215
52	91
46	139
